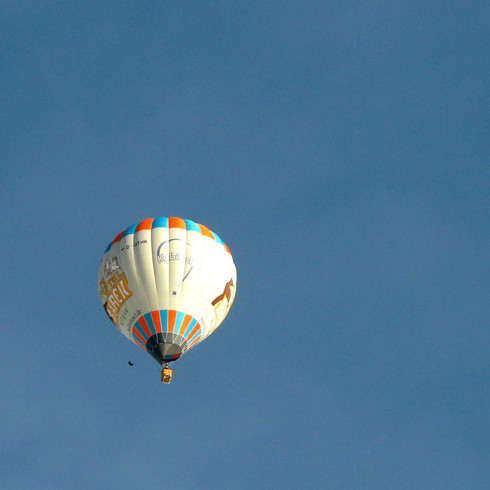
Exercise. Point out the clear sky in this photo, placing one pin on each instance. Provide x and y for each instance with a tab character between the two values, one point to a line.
341	149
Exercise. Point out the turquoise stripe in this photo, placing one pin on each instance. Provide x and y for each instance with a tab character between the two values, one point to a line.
179	318
149	320
160	222
191	226
164	320
142	337
217	238
130	230
189	328
141	330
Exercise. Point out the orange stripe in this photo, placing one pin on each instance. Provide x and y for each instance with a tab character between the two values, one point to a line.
206	232
185	323
145	326
194	330
228	249
171	320
137	342
118	237
145	224
138	336
195	342
155	315
176	223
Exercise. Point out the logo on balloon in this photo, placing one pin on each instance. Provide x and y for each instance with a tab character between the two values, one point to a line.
223	302
163	257
116	291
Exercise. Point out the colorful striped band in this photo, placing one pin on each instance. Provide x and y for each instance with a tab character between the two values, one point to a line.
166	334
163	222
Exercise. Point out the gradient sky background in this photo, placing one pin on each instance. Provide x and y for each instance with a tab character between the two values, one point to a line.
341	150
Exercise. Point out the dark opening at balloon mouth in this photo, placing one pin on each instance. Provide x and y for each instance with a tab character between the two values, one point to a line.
166	347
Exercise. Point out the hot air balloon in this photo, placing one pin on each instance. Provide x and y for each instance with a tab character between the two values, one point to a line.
167	284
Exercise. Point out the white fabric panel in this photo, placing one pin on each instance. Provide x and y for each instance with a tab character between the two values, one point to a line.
159	248
142	250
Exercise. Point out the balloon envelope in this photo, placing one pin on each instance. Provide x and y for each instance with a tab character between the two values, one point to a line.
167	284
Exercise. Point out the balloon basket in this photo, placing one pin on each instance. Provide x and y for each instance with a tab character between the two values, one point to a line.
166	374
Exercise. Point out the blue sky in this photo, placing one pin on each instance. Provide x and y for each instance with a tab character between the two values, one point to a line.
341	150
